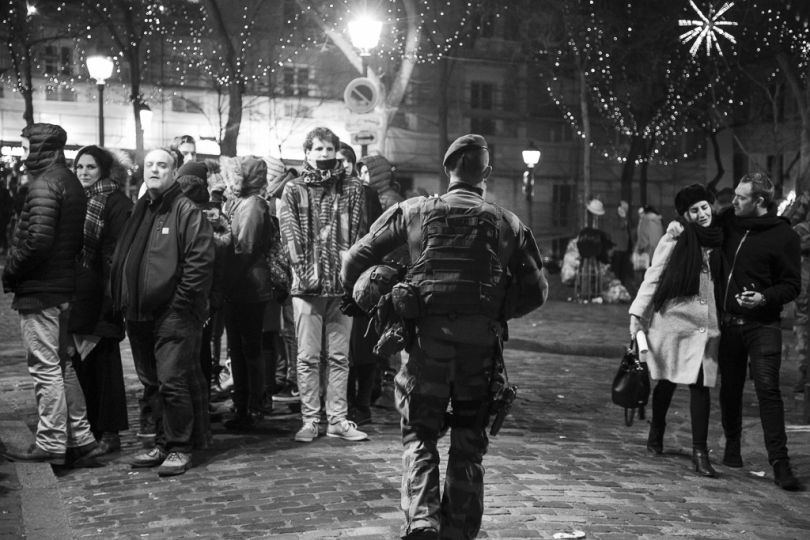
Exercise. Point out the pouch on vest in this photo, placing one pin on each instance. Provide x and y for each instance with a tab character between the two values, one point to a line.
405	299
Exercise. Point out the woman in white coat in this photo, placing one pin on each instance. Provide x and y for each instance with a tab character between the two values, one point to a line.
676	306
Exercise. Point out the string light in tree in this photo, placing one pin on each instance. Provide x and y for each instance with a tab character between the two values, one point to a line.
707	28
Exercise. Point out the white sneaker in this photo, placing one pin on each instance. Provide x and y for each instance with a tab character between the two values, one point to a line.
346	430
308	432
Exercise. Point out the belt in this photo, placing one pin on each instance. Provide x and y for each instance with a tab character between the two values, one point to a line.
733	320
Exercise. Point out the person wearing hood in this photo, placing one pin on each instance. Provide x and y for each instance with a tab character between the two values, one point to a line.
96	328
322	216
41	272
763	256
247	289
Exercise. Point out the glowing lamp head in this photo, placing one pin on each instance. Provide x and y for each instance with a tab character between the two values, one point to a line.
365	33
100	67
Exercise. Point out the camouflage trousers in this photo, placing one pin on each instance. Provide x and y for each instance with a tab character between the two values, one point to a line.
801	326
439	373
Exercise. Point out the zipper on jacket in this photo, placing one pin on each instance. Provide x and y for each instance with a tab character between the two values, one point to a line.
731	272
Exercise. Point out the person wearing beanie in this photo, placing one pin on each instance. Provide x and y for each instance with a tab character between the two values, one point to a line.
676	307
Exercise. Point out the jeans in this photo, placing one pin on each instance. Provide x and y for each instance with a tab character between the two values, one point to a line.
60	402
313	316
166	352
762	346
243	323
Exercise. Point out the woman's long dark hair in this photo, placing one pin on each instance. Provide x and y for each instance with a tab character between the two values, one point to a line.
681	276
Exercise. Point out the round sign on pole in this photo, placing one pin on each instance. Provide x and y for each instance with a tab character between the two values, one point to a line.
361	95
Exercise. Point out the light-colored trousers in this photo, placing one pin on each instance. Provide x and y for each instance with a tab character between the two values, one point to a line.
315	315
60	401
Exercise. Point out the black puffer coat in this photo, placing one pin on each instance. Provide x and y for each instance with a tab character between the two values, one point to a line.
48	237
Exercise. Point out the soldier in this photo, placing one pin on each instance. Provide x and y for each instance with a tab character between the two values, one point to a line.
475	266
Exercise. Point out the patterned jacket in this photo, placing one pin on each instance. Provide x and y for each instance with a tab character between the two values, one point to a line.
322	215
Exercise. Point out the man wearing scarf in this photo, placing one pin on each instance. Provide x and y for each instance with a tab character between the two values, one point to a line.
321	217
475	266
761	256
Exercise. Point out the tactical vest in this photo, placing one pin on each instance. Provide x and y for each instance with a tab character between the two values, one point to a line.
459	271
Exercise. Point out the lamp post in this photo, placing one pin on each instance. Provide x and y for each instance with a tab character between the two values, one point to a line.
364	33
531	157
100	69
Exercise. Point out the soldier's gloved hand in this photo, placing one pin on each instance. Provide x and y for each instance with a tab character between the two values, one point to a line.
350	308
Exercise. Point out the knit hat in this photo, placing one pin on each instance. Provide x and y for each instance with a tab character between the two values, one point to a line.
193	168
690	195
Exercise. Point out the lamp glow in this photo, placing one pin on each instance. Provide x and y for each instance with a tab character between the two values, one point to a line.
365	33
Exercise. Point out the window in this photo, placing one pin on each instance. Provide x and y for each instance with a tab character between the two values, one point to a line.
293	110
482	126
59	93
184	104
562	205
482	95
58	60
485	24
295	81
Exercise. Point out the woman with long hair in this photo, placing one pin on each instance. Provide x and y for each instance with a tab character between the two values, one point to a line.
675	305
96	329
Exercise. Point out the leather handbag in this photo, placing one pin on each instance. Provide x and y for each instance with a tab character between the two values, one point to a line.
631	385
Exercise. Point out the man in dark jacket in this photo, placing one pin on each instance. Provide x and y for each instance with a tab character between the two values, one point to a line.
161	281
761	252
475	266
40	271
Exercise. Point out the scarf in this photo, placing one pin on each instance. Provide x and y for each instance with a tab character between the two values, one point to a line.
322	177
94	218
681	276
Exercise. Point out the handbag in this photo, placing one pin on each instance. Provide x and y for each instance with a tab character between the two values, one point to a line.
631	385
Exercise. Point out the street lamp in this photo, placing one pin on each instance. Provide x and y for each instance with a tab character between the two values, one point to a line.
145	114
100	69
364	32
531	157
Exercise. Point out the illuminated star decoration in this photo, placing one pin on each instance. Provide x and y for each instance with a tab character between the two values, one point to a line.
707	28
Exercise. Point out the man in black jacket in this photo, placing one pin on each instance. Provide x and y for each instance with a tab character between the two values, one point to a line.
161	280
40	272
761	252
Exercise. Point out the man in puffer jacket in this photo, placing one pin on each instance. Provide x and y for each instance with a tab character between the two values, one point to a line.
41	273
247	288
322	215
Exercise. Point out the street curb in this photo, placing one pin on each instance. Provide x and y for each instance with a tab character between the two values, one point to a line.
44	515
566	349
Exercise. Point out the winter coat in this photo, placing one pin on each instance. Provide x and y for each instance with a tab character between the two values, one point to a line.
177	264
650	231
247	277
760	254
685	335
322	216
92	312
48	236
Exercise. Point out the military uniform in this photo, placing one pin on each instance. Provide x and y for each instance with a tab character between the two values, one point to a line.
475	265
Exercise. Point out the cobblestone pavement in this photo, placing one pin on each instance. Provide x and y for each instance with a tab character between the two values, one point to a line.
564	461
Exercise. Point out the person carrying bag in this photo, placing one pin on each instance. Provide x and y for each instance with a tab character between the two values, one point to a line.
676	307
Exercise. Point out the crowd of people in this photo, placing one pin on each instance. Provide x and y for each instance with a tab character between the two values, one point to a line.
272	257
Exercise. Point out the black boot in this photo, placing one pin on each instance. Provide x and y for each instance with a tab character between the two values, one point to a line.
655	440
732	457
700	459
783	476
